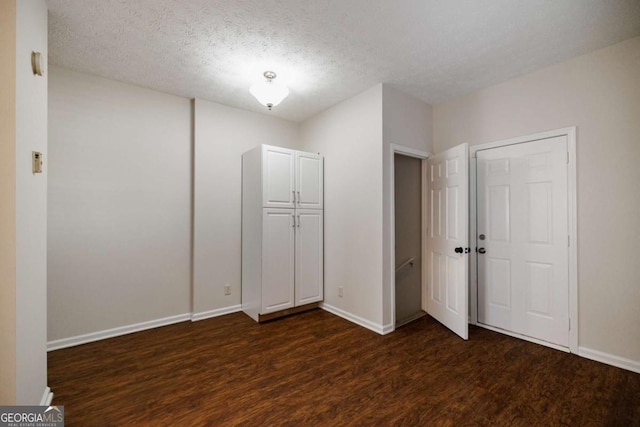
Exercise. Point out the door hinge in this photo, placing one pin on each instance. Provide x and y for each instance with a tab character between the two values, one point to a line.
568	157
569	240
569	323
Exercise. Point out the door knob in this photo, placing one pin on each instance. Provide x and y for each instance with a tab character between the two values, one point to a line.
482	250
459	250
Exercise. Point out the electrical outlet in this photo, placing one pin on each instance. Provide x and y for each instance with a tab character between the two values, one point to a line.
227	289
340	288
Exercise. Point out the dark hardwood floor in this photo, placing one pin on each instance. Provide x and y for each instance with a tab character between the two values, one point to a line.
315	369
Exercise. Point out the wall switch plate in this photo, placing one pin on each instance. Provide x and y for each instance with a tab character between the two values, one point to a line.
36	161
340	289
227	289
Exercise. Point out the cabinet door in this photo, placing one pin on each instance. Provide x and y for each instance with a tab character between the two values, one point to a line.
278	255
309	169
309	256
278	184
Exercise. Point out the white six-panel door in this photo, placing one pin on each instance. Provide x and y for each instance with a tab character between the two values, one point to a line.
309	256
278	257
522	227
448	229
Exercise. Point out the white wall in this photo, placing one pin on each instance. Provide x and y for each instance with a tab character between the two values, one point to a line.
349	135
222	134
600	94
407	121
119	204
7	202
31	207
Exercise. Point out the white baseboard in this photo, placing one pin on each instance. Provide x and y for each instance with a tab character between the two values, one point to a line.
354	319
386	329
47	397
610	359
215	313
115	332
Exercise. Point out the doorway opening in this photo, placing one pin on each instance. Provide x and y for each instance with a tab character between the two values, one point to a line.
451	221
408	238
408	227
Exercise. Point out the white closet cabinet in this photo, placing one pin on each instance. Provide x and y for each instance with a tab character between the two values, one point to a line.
282	231
290	179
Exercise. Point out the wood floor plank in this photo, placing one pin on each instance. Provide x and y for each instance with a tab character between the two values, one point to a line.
317	369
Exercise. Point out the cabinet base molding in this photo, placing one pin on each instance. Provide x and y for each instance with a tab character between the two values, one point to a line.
286	312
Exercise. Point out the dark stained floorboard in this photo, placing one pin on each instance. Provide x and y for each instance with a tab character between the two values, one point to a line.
318	369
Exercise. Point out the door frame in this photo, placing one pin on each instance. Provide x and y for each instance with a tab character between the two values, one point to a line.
423	156
570	133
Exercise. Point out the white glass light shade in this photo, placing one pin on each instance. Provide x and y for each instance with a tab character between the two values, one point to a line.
269	93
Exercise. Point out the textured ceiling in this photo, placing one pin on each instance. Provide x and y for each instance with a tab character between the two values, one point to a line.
328	50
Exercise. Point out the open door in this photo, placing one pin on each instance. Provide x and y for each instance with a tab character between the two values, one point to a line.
448	239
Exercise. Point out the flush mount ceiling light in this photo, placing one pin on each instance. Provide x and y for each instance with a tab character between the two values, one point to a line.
268	92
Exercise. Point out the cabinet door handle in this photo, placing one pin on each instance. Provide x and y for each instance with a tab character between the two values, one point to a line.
294	221
298	199
298	220
293	192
